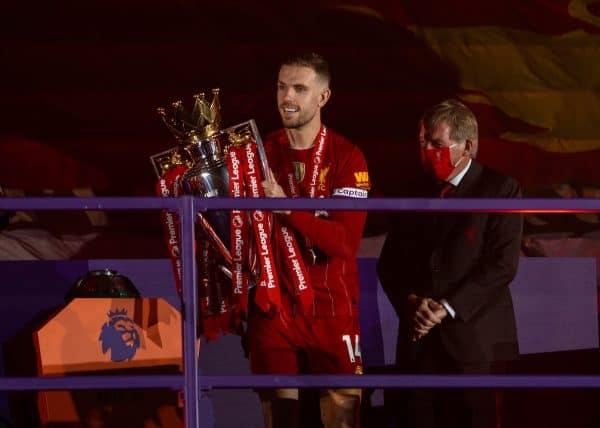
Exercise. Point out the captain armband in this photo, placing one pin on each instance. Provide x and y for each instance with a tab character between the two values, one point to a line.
350	192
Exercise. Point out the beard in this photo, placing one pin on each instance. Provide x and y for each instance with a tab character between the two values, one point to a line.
298	122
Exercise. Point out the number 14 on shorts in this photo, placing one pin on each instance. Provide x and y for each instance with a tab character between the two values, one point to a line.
353	346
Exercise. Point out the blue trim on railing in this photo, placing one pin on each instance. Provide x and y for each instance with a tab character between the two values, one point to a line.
302	381
371	204
93	203
403	381
91	382
189	310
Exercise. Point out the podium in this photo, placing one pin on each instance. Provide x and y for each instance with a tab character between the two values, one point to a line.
110	336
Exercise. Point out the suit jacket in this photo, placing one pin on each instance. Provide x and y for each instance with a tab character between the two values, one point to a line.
467	258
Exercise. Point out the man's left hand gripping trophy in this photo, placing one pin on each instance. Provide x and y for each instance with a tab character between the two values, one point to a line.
213	162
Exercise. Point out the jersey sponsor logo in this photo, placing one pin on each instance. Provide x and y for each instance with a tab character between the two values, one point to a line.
299	171
323	178
362	179
350	192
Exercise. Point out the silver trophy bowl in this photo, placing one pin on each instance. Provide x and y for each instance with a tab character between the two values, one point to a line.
209	178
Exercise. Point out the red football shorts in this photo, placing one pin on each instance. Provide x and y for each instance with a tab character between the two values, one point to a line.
294	344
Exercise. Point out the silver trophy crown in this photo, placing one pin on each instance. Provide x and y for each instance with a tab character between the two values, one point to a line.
197	131
203	121
202	146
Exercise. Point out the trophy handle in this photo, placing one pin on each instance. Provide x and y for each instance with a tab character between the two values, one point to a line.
261	149
242	129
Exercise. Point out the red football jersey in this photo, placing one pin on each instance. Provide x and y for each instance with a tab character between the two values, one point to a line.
335	234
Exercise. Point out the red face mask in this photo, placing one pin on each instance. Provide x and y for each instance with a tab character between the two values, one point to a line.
437	162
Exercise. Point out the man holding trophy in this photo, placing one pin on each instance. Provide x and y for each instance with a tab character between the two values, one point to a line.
292	275
307	159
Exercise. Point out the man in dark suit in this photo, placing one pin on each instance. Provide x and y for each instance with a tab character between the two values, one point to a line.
447	276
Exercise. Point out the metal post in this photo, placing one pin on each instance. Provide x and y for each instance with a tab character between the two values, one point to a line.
189	309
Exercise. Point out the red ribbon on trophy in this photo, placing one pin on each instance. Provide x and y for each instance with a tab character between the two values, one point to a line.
242	163
215	307
244	181
268	296
168	186
292	258
240	233
211	319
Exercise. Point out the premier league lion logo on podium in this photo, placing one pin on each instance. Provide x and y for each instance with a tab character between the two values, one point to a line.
119	335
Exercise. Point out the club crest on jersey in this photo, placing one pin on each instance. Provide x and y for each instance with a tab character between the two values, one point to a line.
323	178
299	171
362	179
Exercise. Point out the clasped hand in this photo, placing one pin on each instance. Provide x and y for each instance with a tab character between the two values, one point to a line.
423	313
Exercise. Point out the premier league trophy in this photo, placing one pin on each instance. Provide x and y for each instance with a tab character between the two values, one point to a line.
212	162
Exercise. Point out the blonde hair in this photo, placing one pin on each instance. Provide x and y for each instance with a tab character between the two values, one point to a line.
460	119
